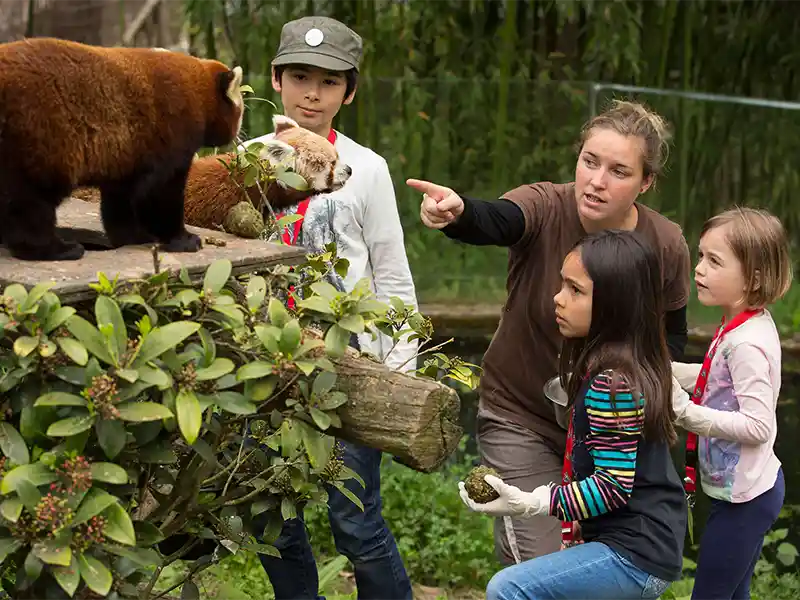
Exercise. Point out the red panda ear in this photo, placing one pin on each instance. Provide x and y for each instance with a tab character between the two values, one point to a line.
282	123
276	151
228	84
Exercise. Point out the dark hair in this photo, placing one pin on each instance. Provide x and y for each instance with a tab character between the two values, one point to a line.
350	76
627	332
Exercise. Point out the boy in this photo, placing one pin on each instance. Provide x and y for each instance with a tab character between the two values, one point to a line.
315	71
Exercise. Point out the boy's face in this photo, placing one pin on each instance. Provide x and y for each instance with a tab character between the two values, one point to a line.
312	96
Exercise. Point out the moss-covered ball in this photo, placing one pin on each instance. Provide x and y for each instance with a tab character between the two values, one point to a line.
480	491
244	221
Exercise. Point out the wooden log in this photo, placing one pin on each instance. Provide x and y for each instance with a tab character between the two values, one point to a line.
416	420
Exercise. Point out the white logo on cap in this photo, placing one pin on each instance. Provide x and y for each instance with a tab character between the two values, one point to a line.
314	37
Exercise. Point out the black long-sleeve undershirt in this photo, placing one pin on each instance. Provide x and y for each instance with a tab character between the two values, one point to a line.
502	223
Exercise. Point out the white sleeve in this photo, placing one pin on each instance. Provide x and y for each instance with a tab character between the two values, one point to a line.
754	421
383	236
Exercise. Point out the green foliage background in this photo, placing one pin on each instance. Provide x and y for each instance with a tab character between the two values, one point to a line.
486	95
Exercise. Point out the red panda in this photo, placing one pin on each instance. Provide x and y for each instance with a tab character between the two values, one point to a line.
211	191
125	120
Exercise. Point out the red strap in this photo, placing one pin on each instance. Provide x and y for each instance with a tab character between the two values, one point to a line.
290	237
690	481
566	477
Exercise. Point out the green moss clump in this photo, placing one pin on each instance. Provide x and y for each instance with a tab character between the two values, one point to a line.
480	491
244	220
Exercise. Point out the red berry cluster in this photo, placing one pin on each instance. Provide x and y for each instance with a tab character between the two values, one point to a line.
86	534
103	395
76	476
51	514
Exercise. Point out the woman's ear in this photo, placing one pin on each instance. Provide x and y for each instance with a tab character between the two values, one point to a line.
646	183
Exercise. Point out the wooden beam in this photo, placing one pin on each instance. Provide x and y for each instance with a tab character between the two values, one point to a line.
80	220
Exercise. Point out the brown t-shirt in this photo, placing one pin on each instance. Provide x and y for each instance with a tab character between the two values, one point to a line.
523	353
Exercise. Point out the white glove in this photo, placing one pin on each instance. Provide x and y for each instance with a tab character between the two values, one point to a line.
512	501
688	415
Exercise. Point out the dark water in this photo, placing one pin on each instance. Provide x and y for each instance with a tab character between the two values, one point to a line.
471	350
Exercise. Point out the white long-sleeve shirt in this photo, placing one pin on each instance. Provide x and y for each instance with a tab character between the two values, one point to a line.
736	419
362	218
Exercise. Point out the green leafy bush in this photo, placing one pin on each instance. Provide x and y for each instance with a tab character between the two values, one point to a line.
154	423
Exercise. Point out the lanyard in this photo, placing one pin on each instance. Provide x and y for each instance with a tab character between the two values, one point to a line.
290	237
690	481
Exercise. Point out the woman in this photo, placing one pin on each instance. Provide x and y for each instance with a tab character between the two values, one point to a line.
622	152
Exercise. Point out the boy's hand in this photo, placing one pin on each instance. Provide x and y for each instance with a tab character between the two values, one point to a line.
440	205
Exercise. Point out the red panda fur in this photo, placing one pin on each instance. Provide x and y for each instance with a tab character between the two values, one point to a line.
126	120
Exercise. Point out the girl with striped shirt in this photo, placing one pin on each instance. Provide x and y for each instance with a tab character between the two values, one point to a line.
619	484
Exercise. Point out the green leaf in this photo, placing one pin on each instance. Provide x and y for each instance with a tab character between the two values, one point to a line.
317	304
288	509
52	554
322	420
269	336
94	502
236	403
190	417
333	400
95	574
70	426
36	473
217	276
119	526
109	473
353	323
8	546
107	312
220	367
25	345
68	577
254	370
323	383
88	335
314	441
290	337
36	293
140	412
13	445
353	498
57	318
290	436
278	315
60	399
74	350
29	494
11	509
256	292
258	391
147	534
324	289
164	338
293	180
336	340
111	435
154	376
189	591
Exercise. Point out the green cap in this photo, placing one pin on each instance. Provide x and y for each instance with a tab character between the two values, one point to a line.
319	42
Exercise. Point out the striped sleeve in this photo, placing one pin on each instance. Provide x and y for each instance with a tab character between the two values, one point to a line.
612	441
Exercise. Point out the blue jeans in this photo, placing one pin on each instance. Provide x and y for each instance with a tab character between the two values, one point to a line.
363	537
590	570
731	544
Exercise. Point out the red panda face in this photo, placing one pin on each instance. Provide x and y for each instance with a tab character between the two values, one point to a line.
309	155
226	109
